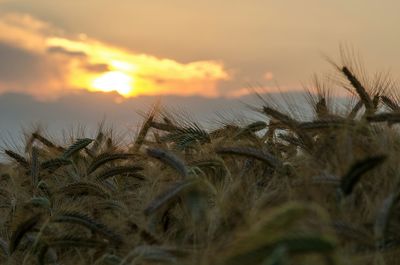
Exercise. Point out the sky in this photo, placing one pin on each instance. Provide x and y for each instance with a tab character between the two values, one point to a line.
123	51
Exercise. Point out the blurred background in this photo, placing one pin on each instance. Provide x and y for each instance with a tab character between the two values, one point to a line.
64	63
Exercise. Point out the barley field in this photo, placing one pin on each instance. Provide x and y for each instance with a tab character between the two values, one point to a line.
289	188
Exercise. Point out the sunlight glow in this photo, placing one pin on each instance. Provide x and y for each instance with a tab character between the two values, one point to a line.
114	81
123	66
83	63
151	75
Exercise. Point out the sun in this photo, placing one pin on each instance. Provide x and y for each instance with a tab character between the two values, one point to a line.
114	81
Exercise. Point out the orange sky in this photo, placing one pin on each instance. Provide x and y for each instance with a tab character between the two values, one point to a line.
207	48
87	63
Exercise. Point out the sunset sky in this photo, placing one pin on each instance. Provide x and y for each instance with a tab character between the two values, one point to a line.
50	50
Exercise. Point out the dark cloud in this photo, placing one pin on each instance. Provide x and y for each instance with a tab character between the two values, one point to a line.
22	71
97	68
61	50
17	64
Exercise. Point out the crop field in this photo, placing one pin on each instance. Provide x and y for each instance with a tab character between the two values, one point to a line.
283	189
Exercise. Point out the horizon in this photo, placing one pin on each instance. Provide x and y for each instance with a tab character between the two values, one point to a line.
55	52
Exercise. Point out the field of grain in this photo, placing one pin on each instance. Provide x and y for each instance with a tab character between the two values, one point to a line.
280	190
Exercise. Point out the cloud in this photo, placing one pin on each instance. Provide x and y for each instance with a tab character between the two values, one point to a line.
24	31
61	50
41	60
18	64
99	68
146	71
23	71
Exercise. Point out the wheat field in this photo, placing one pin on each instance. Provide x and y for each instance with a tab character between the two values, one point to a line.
278	190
